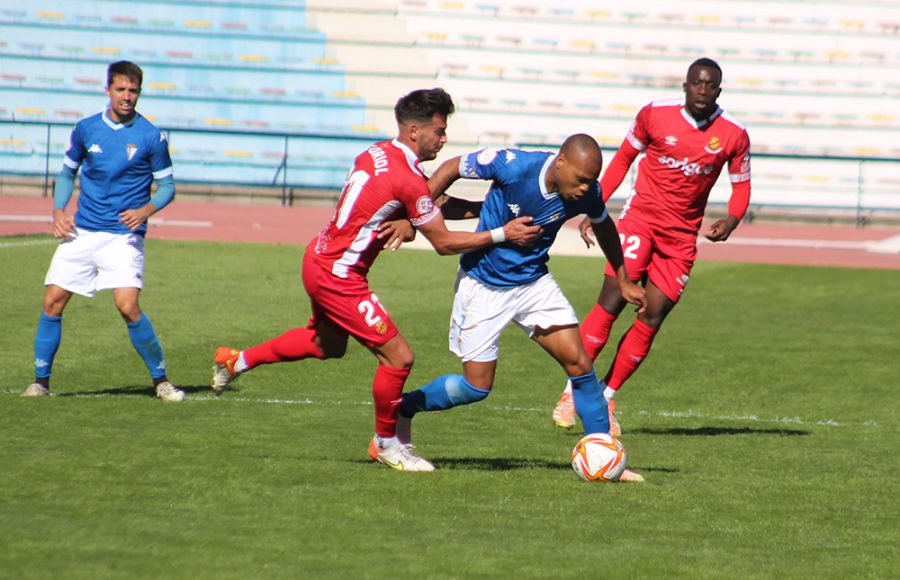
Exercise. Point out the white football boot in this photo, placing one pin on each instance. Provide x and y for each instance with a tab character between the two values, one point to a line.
401	456
36	390
167	392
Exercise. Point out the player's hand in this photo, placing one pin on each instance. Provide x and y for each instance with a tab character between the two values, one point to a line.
133	218
63	224
587	232
720	230
396	232
520	231
634	294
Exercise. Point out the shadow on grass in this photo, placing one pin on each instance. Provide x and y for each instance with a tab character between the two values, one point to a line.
491	463
496	463
134	391
715	431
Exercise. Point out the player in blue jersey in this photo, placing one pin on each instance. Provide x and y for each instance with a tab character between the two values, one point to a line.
505	283
120	154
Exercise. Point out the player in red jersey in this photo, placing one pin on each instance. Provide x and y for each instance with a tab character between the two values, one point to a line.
385	183
685	146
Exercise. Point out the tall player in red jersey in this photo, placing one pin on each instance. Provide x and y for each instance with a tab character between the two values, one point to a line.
685	146
385	183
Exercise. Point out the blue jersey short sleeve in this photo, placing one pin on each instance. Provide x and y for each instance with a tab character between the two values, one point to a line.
518	189
75	150
160	162
118	164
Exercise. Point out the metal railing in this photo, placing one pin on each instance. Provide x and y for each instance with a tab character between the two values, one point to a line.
283	163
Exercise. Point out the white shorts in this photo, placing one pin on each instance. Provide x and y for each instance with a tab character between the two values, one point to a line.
93	261
480	313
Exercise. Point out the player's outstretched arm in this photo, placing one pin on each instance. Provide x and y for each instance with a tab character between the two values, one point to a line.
608	238
455	208
396	232
518	231
617	170
443	177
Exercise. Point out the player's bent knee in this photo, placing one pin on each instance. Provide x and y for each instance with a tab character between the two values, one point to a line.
333	351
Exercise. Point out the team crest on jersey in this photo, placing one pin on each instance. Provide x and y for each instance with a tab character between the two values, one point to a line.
95	149
424	205
714	145
486	156
671	140
130	150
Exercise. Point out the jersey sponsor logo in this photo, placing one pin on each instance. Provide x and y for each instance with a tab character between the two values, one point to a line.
510	156
381	327
745	164
69	145
130	150
94	149
424	205
555	216
686	166
514	208
671	140
162	136
714	146
379	159
486	156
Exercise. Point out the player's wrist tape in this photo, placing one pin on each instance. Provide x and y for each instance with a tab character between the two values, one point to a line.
497	235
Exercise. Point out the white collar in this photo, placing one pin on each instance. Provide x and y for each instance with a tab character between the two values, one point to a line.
542	181
116	126
411	158
700	124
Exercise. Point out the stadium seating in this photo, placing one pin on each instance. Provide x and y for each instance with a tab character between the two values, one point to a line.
812	82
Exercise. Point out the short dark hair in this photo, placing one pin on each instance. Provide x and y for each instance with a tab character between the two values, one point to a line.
423	104
124	68
707	62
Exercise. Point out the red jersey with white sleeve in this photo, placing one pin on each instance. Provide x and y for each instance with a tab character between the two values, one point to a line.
385	182
683	159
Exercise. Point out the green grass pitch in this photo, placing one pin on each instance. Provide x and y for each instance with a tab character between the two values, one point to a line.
764	419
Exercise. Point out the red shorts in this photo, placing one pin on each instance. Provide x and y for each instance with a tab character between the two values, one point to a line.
348	305
665	259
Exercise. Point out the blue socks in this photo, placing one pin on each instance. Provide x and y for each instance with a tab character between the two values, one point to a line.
442	393
46	343
590	403
143	337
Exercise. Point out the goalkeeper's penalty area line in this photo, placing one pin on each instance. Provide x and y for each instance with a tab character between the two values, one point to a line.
688	414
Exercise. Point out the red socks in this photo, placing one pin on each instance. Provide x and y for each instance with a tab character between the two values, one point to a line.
294	344
633	348
387	390
595	330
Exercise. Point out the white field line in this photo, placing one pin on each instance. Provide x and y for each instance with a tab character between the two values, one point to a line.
46	219
180	223
4	245
31	218
689	414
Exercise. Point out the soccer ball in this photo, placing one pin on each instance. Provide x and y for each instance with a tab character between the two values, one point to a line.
599	457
